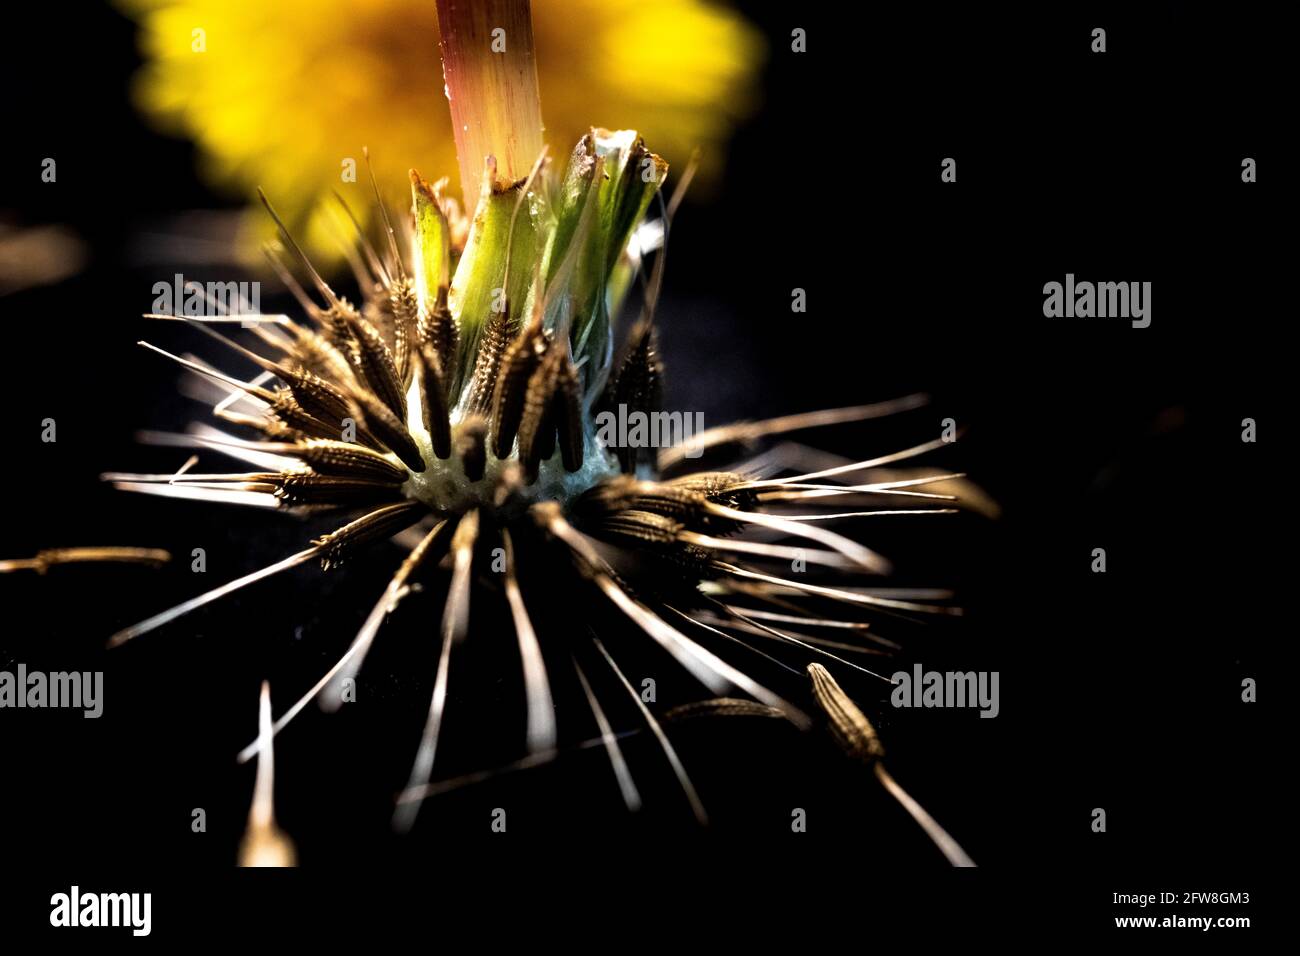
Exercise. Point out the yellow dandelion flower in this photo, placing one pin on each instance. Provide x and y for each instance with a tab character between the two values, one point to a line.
284	94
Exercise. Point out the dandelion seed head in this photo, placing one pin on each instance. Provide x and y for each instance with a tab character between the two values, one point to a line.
451	402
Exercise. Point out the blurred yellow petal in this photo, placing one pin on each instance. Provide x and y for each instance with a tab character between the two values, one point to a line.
284	92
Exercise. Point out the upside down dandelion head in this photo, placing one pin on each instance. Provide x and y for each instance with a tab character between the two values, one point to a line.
453	408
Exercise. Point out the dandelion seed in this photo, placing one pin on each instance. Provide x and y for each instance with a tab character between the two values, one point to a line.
265	844
858	738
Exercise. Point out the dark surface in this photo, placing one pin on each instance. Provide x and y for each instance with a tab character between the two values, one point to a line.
1119	691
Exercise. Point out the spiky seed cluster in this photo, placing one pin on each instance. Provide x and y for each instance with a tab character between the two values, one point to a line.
460	397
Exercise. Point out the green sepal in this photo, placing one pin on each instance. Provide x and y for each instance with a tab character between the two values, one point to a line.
478	287
625	176
433	241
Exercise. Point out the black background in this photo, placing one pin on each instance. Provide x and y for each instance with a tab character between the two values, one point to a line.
1119	691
